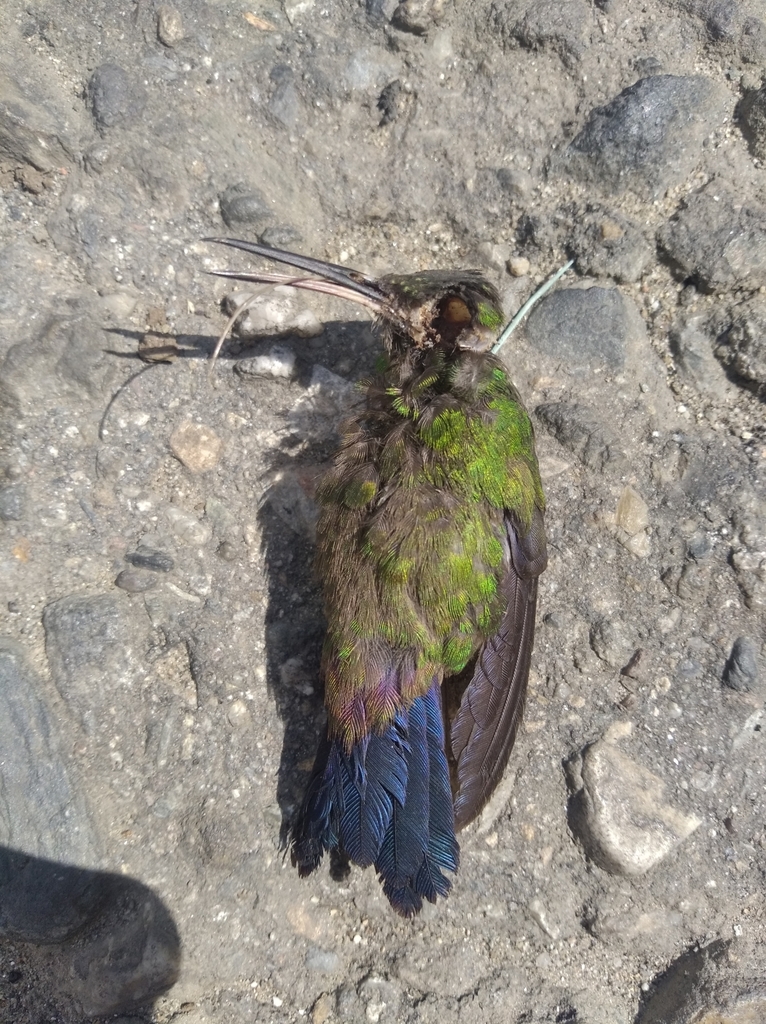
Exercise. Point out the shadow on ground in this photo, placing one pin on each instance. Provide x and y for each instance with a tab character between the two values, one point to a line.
76	942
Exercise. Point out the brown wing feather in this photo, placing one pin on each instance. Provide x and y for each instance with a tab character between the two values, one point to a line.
484	729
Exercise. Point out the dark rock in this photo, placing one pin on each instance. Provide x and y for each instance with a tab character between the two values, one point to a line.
130	957
718	241
11	502
417	16
692	348
649	137
115	99
243	204
134	581
577	429
564	28
752	115
607	244
741	672
583	326
742	346
721	18
709	473
389	102
148	558
31	130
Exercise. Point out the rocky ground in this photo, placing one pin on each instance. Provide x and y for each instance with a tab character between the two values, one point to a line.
160	623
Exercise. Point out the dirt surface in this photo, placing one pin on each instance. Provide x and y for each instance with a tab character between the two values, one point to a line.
159	622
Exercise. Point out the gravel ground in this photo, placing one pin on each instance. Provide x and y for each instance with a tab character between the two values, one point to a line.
159	621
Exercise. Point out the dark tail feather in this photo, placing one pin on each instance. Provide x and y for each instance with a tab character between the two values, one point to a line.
350	798
420	840
388	802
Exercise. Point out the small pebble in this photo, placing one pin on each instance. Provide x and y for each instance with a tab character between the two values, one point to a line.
632	512
170	29
148	558
741	672
518	266
196	446
278	362
135	581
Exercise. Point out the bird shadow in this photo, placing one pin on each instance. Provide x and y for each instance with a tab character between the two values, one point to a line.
294	623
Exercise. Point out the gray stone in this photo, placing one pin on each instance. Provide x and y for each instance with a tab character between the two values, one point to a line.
718	241
285	104
620	812
612	641
741	672
115	99
380	10
692	347
31	130
243	204
73	345
130	957
650	137
516	183
741	347
94	645
281	236
578	430
162	175
56	824
550	25
278	363
11	502
135	581
583	326
170	28
279	312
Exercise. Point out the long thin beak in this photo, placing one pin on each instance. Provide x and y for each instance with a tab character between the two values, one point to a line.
331	279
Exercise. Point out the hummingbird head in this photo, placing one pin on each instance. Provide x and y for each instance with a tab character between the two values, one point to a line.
451	310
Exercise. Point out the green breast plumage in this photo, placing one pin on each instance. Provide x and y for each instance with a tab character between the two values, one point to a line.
412	538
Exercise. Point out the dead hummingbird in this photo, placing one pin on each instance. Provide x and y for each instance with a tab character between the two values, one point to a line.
429	544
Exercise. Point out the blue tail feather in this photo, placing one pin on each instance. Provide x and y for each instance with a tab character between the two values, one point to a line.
387	802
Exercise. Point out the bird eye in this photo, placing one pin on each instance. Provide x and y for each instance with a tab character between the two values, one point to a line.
454	311
452	317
